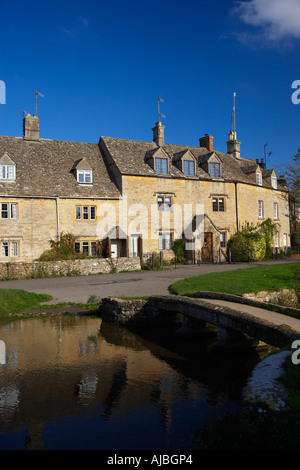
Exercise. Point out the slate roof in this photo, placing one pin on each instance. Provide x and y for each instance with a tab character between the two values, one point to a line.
44	168
130	158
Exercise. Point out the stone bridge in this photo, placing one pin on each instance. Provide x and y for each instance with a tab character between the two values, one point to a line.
237	324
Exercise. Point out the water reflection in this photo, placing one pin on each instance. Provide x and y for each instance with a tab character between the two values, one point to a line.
69	384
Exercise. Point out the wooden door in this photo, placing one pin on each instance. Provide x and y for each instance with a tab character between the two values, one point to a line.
206	251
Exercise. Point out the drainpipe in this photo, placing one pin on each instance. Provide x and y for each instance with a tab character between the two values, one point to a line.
57	217
236	208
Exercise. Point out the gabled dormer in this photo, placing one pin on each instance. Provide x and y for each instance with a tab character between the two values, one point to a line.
159	160
83	172
212	164
185	162
270	177
7	168
254	172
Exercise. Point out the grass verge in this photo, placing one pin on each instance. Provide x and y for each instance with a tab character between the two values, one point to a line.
16	301
240	281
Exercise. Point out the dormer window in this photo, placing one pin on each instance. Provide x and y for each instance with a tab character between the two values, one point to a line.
215	169
83	172
161	165
84	176
274	182
7	168
189	167
259	179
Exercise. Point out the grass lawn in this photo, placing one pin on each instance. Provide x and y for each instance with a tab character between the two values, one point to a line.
240	281
15	301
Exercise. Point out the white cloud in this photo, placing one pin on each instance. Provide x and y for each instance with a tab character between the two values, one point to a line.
276	20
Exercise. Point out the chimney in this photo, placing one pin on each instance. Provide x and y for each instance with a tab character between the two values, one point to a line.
31	129
233	145
262	164
158	134
207	142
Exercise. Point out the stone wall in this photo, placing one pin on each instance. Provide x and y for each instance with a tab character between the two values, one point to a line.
68	267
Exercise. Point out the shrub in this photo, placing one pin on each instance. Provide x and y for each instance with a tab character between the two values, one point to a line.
247	245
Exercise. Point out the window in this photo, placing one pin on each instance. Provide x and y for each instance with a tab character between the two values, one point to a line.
275	210
189	167
222	239
218	204
8	211
284	240
164	203
260	209
274	182
161	166
85	212
276	240
215	170
165	241
7	172
4	211
9	249
84	176
259	179
87	248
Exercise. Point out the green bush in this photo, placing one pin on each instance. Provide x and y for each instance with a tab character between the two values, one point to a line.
179	250
247	246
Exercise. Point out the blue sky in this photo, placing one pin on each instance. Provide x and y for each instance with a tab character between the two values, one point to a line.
102	65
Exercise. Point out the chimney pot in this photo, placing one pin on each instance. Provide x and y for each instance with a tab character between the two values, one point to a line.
207	142
158	134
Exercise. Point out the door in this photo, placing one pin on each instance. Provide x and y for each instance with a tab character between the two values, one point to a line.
136	245
206	252
115	249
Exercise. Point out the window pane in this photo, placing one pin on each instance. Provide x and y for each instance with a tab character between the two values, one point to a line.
189	167
4	249
260	209
4	211
10	172
214	169
161	165
14	211
259	178
221	204
168	243
14	249
93	212
161	241
160	203
88	177
215	204
94	249
167	203
77	247
85	212
85	247
222	239
80	176
275	210
78	212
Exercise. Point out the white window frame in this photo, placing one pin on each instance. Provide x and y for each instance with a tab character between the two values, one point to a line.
11	210
85	176
276	240
259	178
9	249
274	182
85	212
260	209
285	240
7	172
165	240
164	203
275	210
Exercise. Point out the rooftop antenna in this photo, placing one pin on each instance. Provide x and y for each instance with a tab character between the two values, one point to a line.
265	153
233	114
159	114
37	93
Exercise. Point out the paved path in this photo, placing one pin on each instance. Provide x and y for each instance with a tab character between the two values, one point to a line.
143	283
